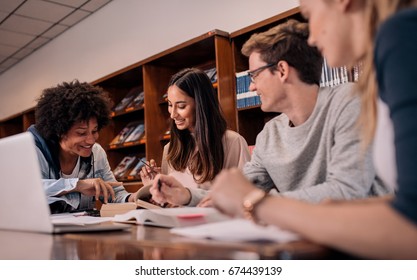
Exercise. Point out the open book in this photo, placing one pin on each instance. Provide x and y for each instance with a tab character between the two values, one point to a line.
142	201
172	217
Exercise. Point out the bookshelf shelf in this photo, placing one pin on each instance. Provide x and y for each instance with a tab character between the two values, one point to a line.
128	110
249	108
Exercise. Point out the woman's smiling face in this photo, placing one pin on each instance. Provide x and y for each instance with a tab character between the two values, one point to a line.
181	108
80	138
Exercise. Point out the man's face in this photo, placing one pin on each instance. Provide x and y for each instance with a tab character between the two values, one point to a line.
267	84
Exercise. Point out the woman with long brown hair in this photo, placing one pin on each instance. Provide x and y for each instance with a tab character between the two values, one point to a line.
200	145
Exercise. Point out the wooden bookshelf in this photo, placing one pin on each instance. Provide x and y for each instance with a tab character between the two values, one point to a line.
17	123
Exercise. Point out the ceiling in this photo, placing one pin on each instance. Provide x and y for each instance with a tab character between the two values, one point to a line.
27	25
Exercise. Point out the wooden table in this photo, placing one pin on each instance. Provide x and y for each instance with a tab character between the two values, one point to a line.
143	242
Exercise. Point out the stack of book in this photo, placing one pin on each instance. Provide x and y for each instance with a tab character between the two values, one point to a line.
129	168
133	100
212	74
245	97
331	77
131	134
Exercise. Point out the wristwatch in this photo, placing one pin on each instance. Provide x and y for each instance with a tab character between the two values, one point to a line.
250	201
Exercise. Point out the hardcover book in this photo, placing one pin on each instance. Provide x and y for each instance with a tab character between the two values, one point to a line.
142	202
136	133
122	136
212	74
123	166
136	102
135	171
122	105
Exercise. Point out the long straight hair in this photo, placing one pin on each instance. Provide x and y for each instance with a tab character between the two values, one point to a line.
202	152
376	12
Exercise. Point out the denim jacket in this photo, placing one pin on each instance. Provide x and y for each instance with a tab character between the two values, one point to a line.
95	166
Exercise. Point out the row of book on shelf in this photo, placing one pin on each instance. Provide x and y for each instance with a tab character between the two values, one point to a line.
334	76
245	97
329	77
133	100
129	168
131	133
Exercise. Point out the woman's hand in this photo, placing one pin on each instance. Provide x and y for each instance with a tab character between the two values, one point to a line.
166	189
97	187
205	202
228	191
148	172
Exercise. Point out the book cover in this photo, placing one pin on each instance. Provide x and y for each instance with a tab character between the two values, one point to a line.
112	209
137	101
122	136
142	201
125	101
212	74
172	217
135	171
136	133
123	166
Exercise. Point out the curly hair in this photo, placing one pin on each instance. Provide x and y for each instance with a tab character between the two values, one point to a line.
206	161
60	107
288	42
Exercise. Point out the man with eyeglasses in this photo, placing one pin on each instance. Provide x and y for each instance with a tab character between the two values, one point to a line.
312	150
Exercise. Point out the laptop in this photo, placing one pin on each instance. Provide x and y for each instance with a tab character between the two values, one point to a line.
23	205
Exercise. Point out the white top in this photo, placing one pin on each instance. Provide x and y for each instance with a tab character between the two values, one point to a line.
384	148
236	154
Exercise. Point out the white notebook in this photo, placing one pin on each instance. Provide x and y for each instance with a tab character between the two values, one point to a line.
237	230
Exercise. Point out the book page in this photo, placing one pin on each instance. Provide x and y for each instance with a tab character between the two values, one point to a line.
172	217
146	205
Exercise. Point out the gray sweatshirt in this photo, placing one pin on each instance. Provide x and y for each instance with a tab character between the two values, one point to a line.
319	159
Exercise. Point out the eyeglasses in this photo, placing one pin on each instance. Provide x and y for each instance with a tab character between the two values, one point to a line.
254	73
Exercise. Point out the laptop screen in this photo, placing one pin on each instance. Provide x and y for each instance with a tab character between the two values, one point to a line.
24	205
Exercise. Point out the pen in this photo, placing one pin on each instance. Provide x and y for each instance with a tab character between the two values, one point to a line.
159	185
163	205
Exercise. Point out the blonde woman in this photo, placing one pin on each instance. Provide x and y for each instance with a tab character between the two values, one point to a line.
380	34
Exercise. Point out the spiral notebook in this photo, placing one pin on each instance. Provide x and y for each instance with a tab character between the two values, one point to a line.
24	206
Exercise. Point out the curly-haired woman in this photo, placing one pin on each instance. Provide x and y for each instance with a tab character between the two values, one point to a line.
75	169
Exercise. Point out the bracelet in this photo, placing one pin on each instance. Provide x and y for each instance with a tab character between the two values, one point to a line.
250	201
191	196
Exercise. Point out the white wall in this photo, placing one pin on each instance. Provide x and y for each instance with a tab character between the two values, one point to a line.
121	33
